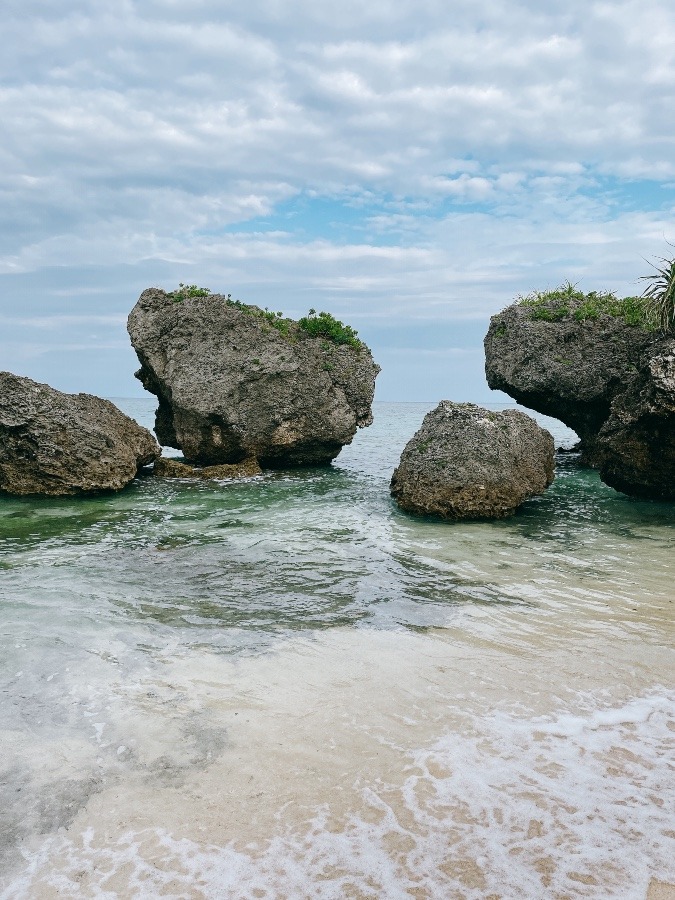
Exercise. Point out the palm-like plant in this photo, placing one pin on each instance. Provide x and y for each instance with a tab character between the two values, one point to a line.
660	294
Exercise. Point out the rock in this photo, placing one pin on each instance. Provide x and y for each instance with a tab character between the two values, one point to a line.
231	384
59	444
635	449
466	462
172	468
612	382
566	369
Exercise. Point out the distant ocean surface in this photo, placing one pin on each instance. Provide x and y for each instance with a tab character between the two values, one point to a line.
288	688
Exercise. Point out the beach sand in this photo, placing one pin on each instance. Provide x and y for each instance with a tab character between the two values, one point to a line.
660	890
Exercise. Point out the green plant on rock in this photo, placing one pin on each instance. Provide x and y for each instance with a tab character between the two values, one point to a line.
321	324
325	325
566	300
660	293
275	319
632	310
186	291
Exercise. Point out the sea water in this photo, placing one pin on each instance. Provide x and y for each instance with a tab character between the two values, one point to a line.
288	688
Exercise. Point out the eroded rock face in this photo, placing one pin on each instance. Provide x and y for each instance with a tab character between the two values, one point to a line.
635	449
466	462
611	382
230	386
59	444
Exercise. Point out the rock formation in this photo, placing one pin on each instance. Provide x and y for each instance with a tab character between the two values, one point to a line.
612	382
174	468
466	462
234	382
635	449
58	444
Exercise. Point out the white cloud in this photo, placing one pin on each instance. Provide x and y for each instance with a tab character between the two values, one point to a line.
473	143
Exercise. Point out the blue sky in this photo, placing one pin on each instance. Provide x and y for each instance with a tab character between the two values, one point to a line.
409	166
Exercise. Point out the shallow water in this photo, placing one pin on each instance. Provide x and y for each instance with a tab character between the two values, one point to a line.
289	688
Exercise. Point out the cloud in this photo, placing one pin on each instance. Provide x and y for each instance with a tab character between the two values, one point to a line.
397	160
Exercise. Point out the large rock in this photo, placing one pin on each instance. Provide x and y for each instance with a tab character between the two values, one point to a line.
231	385
612	382
635	448
54	443
466	462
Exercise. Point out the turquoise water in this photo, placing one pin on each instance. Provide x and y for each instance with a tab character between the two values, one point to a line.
299	634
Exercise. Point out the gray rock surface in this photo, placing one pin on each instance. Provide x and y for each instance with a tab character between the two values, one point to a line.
609	381
59	444
635	448
173	468
466	462
230	386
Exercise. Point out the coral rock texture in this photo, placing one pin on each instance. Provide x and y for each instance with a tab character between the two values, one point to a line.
231	386
58	444
612	382
466	462
174	468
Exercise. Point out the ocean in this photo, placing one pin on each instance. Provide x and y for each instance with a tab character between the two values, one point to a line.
288	688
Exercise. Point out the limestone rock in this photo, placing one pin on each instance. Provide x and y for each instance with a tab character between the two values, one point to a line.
612	382
636	445
466	462
173	468
566	369
230	385
58	444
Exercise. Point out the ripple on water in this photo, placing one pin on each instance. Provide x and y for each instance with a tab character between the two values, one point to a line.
398	685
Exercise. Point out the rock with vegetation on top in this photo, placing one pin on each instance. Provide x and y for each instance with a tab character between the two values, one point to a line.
466	462
234	381
59	444
174	468
596	363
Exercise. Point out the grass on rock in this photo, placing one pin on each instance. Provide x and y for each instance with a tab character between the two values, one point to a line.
321	324
567	302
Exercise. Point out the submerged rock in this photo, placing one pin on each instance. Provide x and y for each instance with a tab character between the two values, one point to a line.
173	468
233	384
59	444
612	382
466	462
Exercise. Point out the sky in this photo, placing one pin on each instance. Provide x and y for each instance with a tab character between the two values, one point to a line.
411	166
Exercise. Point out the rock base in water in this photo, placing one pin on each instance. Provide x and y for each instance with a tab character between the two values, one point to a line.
173	468
466	462
61	444
611	381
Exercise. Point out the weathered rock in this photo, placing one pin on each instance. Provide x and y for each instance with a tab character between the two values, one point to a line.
635	449
172	468
466	462
231	386
610	381
566	369
59	444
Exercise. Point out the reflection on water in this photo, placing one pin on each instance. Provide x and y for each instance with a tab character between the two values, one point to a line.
353	661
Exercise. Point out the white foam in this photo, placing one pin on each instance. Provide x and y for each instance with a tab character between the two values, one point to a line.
566	805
